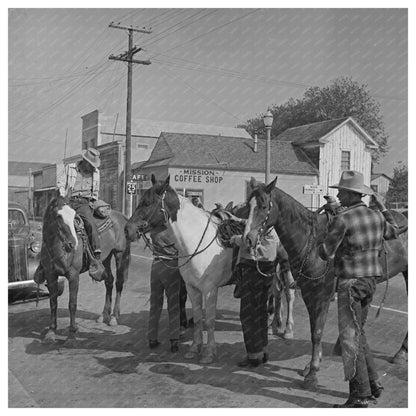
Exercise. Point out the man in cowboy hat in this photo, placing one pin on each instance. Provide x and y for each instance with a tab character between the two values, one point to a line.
355	240
80	183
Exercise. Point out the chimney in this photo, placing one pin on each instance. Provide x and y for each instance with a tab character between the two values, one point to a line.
255	143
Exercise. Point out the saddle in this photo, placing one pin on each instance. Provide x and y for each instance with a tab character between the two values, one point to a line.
228	226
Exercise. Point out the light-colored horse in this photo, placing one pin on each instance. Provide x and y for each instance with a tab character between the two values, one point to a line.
204	263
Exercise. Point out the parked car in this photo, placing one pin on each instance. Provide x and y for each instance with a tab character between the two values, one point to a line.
24	253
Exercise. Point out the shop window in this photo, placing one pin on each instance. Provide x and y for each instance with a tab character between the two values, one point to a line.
196	196
345	160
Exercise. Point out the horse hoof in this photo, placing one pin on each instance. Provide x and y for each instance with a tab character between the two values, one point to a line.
208	359
190	355
288	335
70	343
305	371
399	358
49	338
310	382
113	321
100	319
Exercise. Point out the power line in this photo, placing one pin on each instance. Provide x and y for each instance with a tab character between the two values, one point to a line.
203	95
206	33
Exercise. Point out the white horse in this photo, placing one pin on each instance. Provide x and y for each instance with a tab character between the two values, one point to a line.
204	263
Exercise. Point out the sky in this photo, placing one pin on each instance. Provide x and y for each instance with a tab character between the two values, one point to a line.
208	66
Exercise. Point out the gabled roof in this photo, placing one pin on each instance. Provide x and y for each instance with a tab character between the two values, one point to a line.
22	168
377	175
229	153
316	133
153	128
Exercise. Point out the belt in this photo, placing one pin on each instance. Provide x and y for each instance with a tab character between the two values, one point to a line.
81	197
253	263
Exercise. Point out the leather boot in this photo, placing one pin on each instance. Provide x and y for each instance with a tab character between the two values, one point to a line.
354	402
376	388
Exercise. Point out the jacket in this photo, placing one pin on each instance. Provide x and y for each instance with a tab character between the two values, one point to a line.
355	240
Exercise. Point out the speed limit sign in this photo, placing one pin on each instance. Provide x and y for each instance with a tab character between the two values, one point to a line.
131	188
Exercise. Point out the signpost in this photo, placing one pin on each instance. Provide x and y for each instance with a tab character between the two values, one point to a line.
313	190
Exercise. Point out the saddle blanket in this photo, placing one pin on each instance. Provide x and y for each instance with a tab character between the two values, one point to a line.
104	225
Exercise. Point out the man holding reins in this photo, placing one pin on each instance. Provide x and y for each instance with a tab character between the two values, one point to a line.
355	239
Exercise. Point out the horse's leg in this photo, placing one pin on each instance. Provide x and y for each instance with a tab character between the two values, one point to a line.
277	323
196	300
73	281
122	271
109	281
50	338
401	356
290	300
317	317
210	311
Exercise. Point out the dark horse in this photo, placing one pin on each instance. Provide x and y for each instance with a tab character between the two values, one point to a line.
300	230
62	255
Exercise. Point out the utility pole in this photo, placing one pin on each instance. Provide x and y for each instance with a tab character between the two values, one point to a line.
128	57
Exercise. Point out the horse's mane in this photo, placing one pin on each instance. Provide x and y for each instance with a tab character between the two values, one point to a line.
290	206
49	217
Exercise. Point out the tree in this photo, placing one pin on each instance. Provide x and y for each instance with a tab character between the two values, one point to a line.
397	191
343	98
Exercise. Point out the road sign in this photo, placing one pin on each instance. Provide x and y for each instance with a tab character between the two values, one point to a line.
144	184
131	188
313	189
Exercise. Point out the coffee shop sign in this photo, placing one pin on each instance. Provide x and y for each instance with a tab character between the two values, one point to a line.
198	176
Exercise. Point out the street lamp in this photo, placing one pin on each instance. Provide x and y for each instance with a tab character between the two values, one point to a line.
268	121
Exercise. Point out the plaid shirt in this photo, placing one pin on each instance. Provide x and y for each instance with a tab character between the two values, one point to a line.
355	240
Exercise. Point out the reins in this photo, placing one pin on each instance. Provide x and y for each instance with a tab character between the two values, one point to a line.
308	245
188	257
386	262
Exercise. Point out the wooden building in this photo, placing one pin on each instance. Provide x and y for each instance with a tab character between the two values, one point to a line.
216	163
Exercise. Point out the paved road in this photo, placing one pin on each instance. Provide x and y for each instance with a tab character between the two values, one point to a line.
113	367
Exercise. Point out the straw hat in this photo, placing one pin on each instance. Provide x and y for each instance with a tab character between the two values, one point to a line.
353	181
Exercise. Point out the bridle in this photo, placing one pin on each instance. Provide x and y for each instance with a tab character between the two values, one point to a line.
166	217
308	247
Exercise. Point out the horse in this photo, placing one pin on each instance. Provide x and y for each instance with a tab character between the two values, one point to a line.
205	264
300	231
278	287
276	308
62	255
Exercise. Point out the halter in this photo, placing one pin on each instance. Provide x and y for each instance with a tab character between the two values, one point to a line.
261	234
308	245
189	257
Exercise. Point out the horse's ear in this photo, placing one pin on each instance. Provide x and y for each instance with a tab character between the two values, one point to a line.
253	183
229	206
271	186
153	179
167	180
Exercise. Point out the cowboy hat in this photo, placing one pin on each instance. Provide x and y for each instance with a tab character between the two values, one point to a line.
92	156
353	181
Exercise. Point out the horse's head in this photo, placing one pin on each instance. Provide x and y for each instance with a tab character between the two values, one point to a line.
59	220
158	205
262	212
